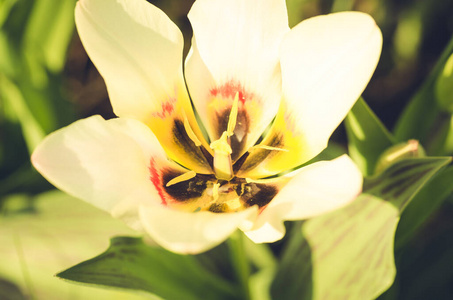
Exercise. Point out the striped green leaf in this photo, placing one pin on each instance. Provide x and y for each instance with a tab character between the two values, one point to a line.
129	263
348	254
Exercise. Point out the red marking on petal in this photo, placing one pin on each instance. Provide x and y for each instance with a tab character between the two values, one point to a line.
167	108
229	90
156	180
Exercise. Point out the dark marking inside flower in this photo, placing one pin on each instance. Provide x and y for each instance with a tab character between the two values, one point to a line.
258	155
258	194
182	139
218	207
184	190
238	140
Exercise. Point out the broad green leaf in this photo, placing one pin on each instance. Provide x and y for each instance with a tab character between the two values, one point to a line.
425	271
129	263
348	254
418	117
42	235
367	137
424	204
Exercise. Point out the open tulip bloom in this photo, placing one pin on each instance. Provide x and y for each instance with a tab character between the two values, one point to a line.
267	96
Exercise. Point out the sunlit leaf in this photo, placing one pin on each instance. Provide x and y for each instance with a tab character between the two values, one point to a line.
418	117
129	263
5	8
43	235
348	254
367	137
444	86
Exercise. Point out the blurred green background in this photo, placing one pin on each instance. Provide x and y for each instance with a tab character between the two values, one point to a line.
47	81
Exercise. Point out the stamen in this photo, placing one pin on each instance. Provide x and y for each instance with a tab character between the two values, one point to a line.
181	178
233	116
190	132
267	148
215	191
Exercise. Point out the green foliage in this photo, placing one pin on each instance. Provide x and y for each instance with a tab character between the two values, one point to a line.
348	254
444	86
42	235
345	254
420	114
424	205
367	137
129	263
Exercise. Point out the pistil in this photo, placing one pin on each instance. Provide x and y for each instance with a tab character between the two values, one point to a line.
223	167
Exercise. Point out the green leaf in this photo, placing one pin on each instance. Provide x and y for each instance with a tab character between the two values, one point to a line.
367	137
295	12
49	31
444	86
129	263
418	117
41	235
348	254
425	271
424	204
32	131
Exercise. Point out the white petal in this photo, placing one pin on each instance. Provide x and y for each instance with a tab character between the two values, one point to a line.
236	49
105	163
138	51
190	233
327	62
136	48
316	189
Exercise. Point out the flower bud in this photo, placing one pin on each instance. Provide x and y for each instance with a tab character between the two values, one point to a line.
409	149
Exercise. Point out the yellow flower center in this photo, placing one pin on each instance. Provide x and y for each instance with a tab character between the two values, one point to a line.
221	191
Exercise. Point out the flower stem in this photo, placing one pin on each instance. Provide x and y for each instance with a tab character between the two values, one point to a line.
240	262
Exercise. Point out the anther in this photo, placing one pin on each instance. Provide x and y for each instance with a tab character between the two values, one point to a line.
181	178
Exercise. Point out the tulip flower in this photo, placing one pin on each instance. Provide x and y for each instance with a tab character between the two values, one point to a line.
267	98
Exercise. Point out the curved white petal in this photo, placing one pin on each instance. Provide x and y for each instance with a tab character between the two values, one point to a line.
326	63
314	190
190	233
236	50
138	51
105	163
136	48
